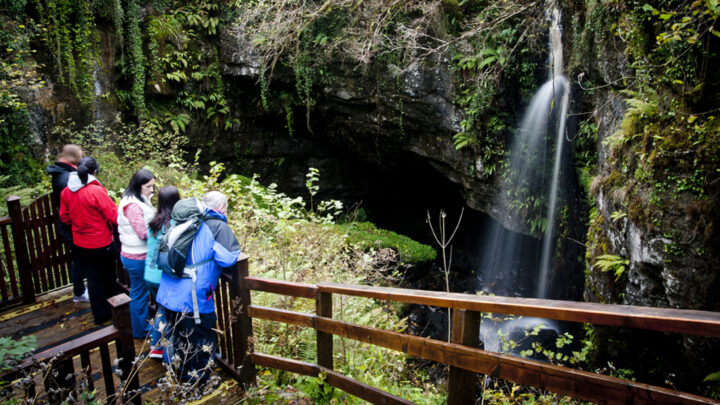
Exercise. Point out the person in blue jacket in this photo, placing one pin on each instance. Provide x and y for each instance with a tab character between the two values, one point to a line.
167	197
214	248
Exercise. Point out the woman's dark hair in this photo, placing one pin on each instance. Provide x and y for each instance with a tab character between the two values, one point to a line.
88	165
140	178
167	197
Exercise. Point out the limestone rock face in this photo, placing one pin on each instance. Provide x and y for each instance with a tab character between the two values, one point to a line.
666	242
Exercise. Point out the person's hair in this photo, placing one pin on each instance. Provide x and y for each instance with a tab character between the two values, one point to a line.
87	166
140	178
167	197
71	153
214	199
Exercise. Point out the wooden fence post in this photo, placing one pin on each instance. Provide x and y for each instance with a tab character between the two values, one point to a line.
21	253
120	305
323	307
242	327
465	331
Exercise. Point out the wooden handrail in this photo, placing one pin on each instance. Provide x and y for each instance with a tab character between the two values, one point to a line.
62	356
703	323
65	350
579	384
463	355
301	290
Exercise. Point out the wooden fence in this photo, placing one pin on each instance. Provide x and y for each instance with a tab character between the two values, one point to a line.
461	354
62	357
35	257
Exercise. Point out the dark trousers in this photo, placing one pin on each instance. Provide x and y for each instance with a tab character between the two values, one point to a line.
194	343
77	274
99	265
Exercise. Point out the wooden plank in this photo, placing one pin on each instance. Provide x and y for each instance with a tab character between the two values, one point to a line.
6	264
323	307
87	368
465	331
301	290
5	220
280	363
347	384
242	332
221	310
281	315
47	250
362	391
107	370
9	259
61	278
579	384
34	248
125	345
65	350
684	321
24	267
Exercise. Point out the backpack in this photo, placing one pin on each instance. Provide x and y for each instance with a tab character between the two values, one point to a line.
174	246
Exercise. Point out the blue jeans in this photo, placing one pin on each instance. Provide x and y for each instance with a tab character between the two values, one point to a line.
156	334
139	297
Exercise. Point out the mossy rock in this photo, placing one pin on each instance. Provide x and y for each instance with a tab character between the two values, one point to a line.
366	235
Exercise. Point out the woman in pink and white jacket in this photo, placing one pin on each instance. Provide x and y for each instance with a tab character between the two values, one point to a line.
134	214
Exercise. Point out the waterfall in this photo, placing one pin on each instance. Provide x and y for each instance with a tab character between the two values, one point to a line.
510	259
563	87
525	186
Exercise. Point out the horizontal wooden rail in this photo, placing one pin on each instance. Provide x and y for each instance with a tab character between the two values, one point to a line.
347	384
301	290
5	220
692	322
579	384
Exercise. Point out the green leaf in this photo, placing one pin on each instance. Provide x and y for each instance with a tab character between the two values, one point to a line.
712	377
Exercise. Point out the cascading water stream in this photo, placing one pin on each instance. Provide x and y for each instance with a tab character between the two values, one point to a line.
506	253
524	185
561	84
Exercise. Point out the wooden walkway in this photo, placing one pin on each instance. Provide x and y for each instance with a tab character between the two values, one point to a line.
56	319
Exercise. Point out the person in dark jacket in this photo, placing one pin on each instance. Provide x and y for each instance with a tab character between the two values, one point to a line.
67	162
86	206
214	249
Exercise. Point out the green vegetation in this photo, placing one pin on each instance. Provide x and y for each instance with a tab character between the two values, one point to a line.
365	236
13	351
612	263
666	153
289	242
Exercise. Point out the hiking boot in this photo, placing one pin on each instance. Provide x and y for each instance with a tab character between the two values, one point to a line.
82	298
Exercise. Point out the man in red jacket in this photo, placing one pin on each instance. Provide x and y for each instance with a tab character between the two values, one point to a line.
91	213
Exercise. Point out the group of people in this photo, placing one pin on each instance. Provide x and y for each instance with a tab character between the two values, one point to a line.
88	217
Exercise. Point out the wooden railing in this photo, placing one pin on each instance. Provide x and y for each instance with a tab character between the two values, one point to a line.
9	278
35	258
62	358
461	354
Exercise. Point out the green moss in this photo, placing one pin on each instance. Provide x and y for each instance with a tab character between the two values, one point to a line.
366	235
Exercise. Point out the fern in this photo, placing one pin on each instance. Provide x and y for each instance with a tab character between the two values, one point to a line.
613	263
642	106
